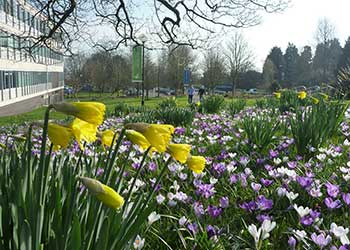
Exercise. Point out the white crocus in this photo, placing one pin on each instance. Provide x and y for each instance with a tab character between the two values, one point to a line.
153	217
139	243
301	210
321	157
266	227
263	232
299	234
255	233
291	196
341	233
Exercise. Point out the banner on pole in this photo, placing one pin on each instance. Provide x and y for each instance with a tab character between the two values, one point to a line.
187	76
137	64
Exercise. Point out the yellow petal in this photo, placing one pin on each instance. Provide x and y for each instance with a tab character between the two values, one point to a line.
59	135
83	131
92	112
196	163
107	137
302	95
158	135
179	151
277	94
104	193
137	138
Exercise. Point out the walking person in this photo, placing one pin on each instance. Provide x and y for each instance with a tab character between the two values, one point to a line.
190	92
201	92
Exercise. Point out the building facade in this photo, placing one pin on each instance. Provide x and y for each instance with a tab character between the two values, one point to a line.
28	78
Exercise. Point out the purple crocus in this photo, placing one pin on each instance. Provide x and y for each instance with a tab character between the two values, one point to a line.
266	182
262	217
224	202
332	190
211	231
306	220
304	181
292	164
192	227
255	186
219	168
263	203
152	166
273	153
214	211
249	206
198	209
292	242
321	240
332	204
233	179
346	198
205	190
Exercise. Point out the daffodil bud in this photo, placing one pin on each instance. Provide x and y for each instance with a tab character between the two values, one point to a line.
104	193
196	163
91	112
179	152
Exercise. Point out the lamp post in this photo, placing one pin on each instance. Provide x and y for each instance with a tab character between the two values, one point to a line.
143	40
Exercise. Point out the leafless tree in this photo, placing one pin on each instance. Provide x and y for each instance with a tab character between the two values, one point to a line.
214	68
183	22
325	31
238	57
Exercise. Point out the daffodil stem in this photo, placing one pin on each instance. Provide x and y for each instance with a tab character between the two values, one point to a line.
43	153
156	184
111	157
135	178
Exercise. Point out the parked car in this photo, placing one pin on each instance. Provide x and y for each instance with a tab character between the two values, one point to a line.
166	91
68	90
252	91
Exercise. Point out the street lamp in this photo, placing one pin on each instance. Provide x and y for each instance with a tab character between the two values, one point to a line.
143	40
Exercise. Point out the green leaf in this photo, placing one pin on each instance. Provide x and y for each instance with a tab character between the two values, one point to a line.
26	237
75	242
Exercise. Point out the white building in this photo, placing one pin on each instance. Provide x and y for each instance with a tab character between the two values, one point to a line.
26	80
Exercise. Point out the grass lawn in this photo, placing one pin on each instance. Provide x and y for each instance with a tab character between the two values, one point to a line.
107	99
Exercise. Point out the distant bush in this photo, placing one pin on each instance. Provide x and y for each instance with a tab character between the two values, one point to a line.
260	131
213	104
315	125
121	109
234	107
175	116
168	103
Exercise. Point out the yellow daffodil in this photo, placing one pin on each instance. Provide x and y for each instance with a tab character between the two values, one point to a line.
83	131
158	135
277	94
59	135
315	100
325	96
91	112
105	194
302	95
107	137
196	163
179	152
198	104
137	138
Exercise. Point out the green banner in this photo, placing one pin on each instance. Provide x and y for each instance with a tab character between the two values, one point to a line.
137	64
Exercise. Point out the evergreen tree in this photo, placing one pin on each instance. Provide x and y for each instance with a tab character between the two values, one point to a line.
305	66
344	59
326	60
276	57
269	71
291	58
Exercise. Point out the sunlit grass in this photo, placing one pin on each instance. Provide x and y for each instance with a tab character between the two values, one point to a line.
107	99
